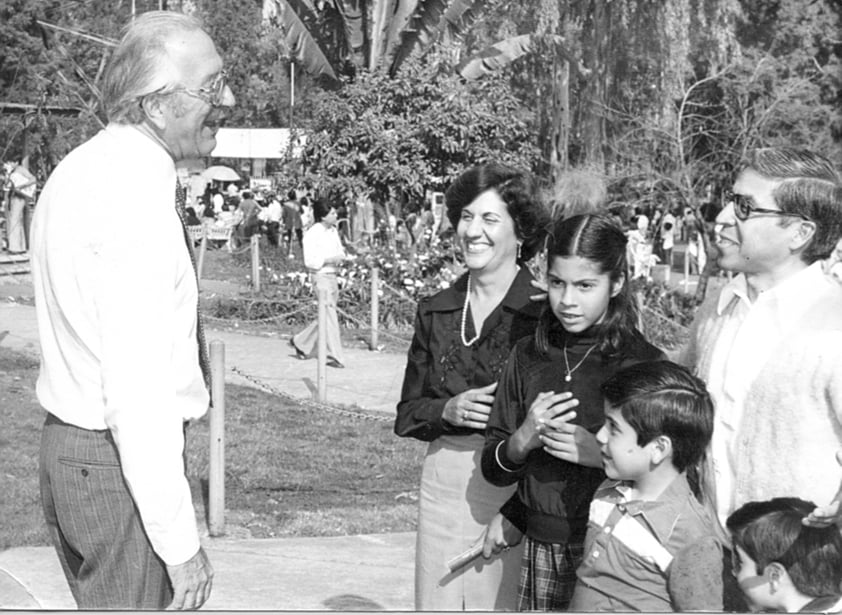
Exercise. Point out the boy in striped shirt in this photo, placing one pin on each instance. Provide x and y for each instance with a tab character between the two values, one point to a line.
651	544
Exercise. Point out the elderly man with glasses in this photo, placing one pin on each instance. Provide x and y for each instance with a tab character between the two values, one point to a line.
769	345
124	366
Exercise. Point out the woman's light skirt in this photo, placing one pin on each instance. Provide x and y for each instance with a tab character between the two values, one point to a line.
456	504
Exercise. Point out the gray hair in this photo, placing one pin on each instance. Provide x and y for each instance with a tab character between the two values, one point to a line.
136	67
809	186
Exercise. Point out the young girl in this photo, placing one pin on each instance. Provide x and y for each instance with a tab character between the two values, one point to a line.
548	407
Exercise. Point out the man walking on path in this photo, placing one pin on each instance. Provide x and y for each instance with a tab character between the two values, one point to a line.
123	364
769	347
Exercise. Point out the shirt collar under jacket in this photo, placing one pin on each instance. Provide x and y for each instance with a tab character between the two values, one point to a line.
787	299
516	299
660	514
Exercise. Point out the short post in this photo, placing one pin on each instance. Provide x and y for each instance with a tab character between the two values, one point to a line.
687	257
321	346
203	248
375	305
255	262
216	480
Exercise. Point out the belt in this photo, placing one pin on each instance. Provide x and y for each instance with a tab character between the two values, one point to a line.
52	419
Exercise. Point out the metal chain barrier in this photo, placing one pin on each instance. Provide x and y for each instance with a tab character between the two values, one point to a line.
254	320
365	327
310	404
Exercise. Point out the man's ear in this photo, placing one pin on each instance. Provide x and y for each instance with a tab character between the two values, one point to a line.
153	110
805	230
776	574
660	448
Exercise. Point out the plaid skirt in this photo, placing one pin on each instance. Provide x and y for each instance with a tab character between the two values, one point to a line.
548	575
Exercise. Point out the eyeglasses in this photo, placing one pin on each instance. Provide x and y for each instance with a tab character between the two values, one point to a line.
213	94
743	208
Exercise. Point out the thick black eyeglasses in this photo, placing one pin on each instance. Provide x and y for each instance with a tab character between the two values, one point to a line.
213	93
743	208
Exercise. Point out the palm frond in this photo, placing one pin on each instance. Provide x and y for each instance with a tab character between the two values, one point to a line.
503	53
293	16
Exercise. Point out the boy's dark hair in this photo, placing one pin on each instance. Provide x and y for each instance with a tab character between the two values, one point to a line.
660	398
772	531
597	238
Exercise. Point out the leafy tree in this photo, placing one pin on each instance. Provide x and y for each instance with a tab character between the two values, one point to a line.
400	136
253	53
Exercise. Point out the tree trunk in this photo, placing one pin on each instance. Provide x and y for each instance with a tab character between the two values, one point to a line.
559	160
592	120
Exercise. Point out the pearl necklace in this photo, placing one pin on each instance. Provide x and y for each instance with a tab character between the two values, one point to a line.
465	309
569	375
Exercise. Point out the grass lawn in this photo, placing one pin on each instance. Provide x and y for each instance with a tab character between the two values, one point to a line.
290	471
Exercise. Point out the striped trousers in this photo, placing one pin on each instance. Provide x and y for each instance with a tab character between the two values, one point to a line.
94	524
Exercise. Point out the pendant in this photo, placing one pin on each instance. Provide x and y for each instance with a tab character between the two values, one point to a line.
568	378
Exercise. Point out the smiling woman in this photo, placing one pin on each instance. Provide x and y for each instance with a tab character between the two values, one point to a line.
462	339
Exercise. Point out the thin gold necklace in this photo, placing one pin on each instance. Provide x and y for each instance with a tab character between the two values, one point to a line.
465	307
569	375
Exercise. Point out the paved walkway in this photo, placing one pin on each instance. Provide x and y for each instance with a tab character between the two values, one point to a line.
368	573
370	380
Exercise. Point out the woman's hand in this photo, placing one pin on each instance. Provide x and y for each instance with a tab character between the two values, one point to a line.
470	408
545	413
541	287
499	536
572	443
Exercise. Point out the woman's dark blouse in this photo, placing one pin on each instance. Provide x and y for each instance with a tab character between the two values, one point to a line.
439	366
553	497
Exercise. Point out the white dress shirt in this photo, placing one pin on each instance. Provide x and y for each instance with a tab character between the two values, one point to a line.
116	299
321	243
273	212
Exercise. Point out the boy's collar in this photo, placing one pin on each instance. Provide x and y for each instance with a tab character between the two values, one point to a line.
661	512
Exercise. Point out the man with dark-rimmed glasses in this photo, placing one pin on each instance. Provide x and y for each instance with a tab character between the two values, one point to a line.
769	346
123	360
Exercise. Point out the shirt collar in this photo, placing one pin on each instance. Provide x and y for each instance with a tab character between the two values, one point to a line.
660	514
787	299
516	299
143	143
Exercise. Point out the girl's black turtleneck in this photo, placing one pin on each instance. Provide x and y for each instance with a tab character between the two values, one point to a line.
553	497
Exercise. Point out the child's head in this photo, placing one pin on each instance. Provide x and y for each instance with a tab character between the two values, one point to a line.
586	279
655	412
778	561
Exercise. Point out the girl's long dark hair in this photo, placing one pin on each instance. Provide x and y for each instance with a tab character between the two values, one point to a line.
599	239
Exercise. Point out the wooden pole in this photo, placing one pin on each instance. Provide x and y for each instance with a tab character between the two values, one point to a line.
321	346
687	258
203	248
255	262
216	480
375	305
